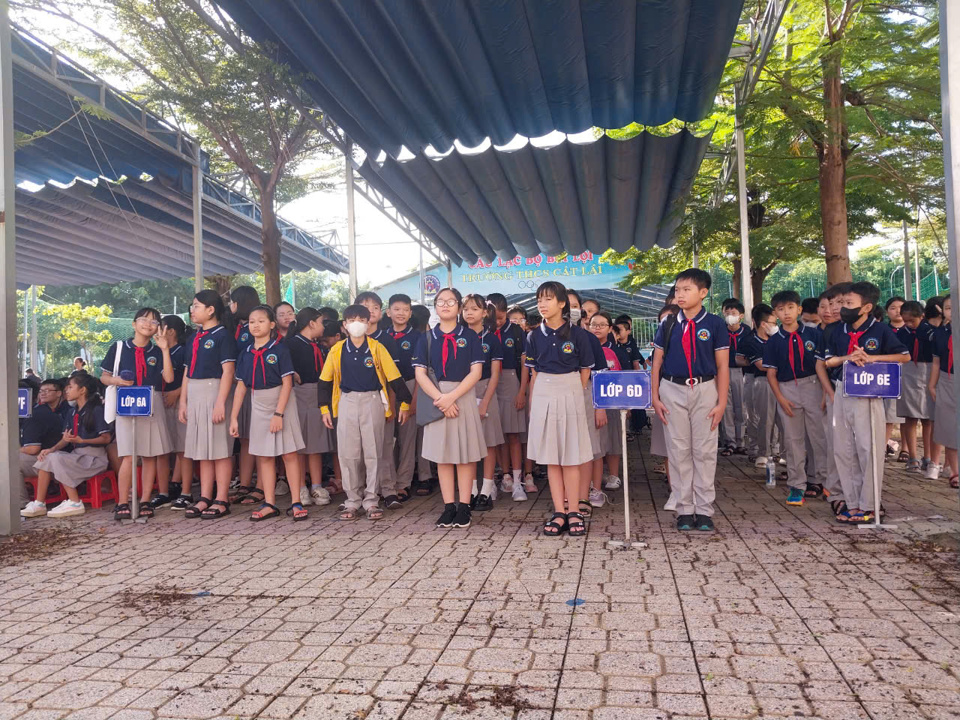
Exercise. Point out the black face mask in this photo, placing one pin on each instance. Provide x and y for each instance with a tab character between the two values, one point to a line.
850	315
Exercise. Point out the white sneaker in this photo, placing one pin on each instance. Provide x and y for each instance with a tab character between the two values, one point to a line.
305	495
493	492
932	472
34	509
506	484
529	484
760	462
671	503
320	495
283	488
612	482
519	494
67	508
597	498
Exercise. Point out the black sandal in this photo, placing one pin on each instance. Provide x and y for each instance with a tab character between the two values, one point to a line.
274	512
580	528
253	496
122	512
814	490
403	495
239	493
211	513
554	529
145	510
726	452
422	488
193	512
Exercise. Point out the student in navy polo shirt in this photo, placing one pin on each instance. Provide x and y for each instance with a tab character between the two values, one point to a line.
614	358
892	308
790	359
690	397
829	313
243	299
731	430
942	392
860	340
758	396
914	404
406	338
210	360
266	369
560	356
175	331
42	430
145	364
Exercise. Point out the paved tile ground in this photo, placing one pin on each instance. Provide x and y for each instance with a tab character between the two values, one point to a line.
780	613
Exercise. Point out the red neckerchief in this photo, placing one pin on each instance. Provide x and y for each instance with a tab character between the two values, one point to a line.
498	332
854	339
915	352
950	351
140	362
689	342
76	422
449	340
317	357
258	357
236	333
733	339
398	334
790	352
201	334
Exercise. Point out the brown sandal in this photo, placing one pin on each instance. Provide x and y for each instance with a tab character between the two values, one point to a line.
955	482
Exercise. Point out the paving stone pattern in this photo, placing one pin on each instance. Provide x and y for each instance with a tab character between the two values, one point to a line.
781	613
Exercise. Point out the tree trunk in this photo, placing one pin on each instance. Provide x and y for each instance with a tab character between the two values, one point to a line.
220	283
270	237
735	282
757	278
833	171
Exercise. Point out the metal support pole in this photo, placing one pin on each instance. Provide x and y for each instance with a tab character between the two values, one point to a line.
695	259
9	441
907	282
351	222
950	89
33	329
916	266
449	274
134	485
423	280
746	294
26	333
627	542
197	228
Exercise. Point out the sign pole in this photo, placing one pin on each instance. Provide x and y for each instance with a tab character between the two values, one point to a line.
134	490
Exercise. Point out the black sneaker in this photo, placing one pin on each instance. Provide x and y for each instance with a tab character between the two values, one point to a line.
448	516
392	502
704	523
686	522
159	501
463	516
182	502
483	503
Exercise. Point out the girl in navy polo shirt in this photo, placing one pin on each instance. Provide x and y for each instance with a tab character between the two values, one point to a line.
210	360
243	299
267	370
561	357
944	396
455	441
481	317
614	358
285	314
307	357
175	330
144	364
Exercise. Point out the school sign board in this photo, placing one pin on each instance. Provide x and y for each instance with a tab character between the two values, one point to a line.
876	380
24	402
134	401
621	390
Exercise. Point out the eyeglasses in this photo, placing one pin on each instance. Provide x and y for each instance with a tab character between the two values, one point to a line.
599	326
148	321
445	303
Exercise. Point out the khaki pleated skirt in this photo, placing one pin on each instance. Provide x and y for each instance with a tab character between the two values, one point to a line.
264	443
492	431
205	440
945	412
597	435
915	401
511	420
317	438
152	437
243	418
459	440
176	429
72	468
557	433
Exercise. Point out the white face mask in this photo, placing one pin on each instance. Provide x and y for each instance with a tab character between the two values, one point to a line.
356	328
575	315
732	319
809	324
770	328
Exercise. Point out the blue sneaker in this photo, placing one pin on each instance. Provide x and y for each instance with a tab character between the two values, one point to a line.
795	497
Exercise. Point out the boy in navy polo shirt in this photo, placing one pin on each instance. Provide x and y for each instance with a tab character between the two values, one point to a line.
733	417
914	403
691	396
789	358
858	427
400	309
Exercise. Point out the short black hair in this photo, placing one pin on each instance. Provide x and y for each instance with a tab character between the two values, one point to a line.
56	382
364	297
810	305
868	292
700	278
595	302
399	298
785	296
733	303
624	319
837	289
760	312
329	313
891	301
356	312
912	308
513	309
331	328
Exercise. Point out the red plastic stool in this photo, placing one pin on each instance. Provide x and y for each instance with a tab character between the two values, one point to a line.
52	497
95	494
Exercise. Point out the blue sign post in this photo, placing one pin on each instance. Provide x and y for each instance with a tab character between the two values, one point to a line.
622	390
24	402
134	401
875	380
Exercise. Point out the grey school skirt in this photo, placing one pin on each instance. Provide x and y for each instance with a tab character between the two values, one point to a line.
492	430
598	436
264	443
176	429
72	468
204	439
459	440
511	420
153	433
945	412
317	438
557	433
243	418
915	401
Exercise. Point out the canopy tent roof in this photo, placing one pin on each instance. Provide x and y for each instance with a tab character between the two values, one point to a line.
419	73
76	227
567	198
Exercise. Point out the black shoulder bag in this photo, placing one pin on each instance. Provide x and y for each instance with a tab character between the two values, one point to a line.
427	412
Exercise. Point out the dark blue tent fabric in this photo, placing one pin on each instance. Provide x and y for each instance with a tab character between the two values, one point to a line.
415	73
567	198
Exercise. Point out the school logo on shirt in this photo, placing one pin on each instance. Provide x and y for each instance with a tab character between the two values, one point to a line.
405	345
486	349
461	342
368	362
871	344
809	345
208	345
244	337
151	361
703	334
567	348
508	342
271	359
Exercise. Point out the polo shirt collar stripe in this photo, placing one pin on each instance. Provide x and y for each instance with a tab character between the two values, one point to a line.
869	324
438	333
700	316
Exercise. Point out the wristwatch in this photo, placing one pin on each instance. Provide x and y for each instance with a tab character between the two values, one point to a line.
279	415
